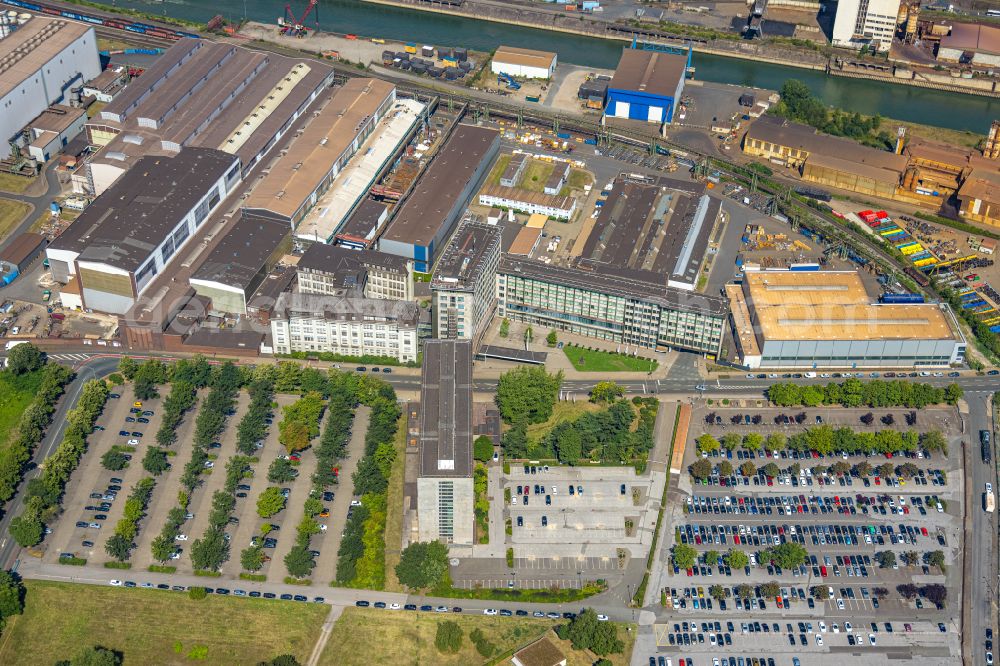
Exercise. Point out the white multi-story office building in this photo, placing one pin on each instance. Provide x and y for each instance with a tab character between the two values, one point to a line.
345	325
865	22
463	291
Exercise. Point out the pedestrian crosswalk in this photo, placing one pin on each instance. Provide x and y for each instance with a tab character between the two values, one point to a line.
69	357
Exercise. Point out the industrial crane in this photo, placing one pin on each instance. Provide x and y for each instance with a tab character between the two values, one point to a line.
296	26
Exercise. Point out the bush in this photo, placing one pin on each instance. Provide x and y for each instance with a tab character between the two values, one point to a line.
483	448
114	460
448	637
197	593
527	395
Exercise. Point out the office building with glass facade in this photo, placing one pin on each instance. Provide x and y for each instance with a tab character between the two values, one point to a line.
618	305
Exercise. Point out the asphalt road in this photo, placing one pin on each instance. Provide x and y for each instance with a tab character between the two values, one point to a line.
40	203
981	545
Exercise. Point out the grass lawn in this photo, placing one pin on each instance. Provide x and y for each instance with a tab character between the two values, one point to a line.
148	626
11	214
15	184
561	411
394	509
498	169
16	393
586	360
368	636
535	174
578	179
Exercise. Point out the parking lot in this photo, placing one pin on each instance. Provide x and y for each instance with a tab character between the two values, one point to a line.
96	497
843	521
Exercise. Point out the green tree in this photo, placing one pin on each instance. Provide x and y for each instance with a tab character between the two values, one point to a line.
886	470
820	592
25	358
448	637
515	442
935	558
422	564
211	551
11	595
582	628
606	391
886	559
96	656
725	468
775	442
770	589
299	562
270	502
683	556
527	395
700	469
113	460
711	557
752	441
529	334
567	442
952	393
605	640
155	461
863	469
118	547
731	441
128	367
707	444
717	592
504	327
788	555
744	591
551	339
281	471
252	558
736	559
771	470
162	548
482	448
27	529
748	469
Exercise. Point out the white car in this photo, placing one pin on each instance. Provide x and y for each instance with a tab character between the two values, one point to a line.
133	442
394	606
848	627
355	502
490	611
836	628
115	583
819	640
322	528
989	487
602	618
871	638
181	537
176	555
209	464
822	626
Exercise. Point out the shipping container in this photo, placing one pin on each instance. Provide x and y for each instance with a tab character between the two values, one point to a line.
901	298
532	98
410	47
590	142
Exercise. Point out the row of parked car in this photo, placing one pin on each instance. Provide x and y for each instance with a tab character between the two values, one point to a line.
222	591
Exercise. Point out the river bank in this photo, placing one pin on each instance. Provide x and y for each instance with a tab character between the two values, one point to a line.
484	10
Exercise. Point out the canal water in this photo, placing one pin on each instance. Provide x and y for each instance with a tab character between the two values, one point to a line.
919	105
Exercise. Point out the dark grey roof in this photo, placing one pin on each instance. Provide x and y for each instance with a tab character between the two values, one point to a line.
156	75
335	259
462	263
650	72
346	308
221	338
420	217
126	223
363	222
660	227
446	409
619	282
243	252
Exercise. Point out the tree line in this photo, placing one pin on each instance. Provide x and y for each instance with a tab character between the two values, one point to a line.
44	493
856	393
121	543
25	436
826	440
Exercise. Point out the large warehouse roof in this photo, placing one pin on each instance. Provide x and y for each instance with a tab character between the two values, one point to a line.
972	37
243	253
779	131
649	72
126	223
831	305
419	218
27	49
524	57
446	409
310	157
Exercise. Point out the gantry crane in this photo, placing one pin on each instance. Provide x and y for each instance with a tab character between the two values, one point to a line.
296	26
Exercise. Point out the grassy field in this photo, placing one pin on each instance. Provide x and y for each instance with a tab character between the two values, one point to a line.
561	411
535	174
394	509
937	134
156	627
16	393
15	184
587	658
11	214
498	169
367	636
586	360
578	179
